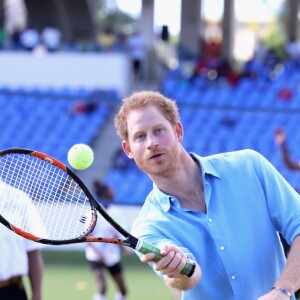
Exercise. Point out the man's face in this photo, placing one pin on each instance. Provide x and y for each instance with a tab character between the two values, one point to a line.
152	141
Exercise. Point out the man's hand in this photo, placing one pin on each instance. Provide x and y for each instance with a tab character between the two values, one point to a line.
171	265
280	137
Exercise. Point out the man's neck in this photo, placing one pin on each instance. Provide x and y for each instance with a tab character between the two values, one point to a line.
186	184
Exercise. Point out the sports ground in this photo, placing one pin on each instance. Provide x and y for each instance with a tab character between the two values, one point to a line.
67	277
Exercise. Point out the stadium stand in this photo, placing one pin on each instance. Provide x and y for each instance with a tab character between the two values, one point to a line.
219	117
45	120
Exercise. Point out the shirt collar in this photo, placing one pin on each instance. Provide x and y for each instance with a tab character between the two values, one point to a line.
165	199
206	166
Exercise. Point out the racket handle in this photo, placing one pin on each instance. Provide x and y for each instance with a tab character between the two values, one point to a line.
144	247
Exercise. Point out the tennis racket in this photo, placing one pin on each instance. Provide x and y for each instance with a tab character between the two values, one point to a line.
43	200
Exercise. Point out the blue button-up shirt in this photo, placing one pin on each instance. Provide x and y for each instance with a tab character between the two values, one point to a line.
236	241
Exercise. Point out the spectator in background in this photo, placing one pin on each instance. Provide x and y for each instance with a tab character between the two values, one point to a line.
136	47
280	138
83	107
19	257
165	33
107	39
15	39
103	191
285	94
51	38
30	39
104	255
201	68
215	69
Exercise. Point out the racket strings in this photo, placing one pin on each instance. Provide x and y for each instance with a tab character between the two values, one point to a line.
42	199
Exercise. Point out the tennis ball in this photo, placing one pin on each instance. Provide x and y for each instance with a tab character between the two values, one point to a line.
80	156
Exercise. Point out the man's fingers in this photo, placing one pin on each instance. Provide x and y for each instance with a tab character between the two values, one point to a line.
149	257
172	262
165	261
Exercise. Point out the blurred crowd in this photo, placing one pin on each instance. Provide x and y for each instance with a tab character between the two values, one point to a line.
31	39
266	62
52	39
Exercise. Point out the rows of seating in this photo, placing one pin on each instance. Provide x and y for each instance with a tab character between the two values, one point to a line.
278	94
211	131
45	120
219	117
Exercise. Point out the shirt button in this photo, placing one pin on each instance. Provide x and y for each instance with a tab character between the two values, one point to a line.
233	277
222	248
209	220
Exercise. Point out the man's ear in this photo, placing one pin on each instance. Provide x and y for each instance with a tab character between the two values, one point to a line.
179	131
126	148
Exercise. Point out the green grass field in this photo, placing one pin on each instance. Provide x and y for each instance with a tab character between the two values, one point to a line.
67	277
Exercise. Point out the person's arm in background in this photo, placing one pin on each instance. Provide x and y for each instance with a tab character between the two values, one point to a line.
35	273
280	138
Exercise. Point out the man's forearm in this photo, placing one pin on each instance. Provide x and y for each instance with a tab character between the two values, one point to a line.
290	276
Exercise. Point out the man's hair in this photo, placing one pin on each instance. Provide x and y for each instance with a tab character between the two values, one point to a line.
141	99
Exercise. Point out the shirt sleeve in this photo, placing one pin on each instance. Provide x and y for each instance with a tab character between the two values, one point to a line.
282	200
149	229
32	246
156	239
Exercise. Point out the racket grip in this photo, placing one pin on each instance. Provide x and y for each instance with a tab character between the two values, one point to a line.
144	247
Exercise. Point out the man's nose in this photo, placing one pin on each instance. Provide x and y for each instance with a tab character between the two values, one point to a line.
152	141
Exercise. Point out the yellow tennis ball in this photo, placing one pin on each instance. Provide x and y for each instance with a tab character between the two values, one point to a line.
80	156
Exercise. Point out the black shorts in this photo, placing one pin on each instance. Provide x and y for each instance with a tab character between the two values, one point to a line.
14	291
115	269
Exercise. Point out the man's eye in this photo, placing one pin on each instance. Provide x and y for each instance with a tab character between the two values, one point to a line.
159	130
140	136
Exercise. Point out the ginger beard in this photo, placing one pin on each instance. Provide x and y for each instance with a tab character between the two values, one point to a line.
163	166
